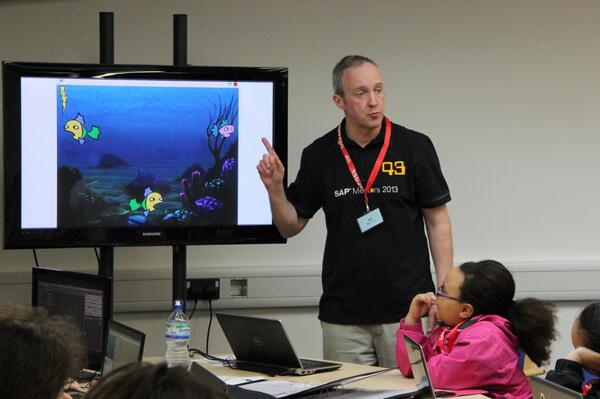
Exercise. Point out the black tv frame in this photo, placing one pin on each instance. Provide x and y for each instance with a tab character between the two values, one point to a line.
79	280
17	238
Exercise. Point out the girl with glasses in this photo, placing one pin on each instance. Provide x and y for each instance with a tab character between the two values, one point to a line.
482	328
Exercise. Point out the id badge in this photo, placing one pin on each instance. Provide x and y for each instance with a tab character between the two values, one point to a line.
369	220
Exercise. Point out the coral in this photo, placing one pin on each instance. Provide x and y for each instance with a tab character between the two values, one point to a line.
228	169
192	189
208	204
214	184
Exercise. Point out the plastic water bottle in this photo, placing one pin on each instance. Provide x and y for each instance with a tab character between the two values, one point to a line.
177	334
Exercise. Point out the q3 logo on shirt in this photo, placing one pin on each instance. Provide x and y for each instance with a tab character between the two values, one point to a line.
393	168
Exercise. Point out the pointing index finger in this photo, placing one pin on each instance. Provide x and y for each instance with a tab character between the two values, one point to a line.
268	146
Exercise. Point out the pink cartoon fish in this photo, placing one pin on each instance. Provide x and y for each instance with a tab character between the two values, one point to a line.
226	130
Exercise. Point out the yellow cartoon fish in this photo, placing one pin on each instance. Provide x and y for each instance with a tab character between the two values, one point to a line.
76	128
151	200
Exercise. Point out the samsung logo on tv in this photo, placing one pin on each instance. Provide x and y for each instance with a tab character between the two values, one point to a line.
141	235
151	234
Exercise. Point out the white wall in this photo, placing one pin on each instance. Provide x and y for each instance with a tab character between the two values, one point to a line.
506	90
301	324
304	329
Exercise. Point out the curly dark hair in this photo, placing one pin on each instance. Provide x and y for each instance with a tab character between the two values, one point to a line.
490	288
38	353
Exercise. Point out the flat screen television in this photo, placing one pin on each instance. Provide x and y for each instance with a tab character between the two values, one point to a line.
124	155
83	298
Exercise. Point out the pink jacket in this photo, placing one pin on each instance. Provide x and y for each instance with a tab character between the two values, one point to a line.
484	356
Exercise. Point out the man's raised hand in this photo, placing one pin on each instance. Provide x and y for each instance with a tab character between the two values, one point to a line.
270	168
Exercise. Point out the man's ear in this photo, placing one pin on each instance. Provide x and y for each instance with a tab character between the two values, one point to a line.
339	101
466	310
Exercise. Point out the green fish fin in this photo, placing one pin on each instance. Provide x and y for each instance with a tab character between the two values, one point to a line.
94	133
134	205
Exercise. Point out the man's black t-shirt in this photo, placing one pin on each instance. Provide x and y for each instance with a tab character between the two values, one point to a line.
371	277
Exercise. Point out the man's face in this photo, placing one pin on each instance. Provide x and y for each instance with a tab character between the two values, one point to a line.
363	101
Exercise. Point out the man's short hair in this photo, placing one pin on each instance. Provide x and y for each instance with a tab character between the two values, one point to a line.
38	353
348	61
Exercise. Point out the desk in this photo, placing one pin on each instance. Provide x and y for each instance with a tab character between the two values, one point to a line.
390	380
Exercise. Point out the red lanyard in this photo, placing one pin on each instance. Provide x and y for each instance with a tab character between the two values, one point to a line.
452	335
380	157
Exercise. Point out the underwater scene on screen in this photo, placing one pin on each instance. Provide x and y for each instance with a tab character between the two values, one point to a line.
146	156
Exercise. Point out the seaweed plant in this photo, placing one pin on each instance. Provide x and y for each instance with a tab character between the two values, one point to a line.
221	126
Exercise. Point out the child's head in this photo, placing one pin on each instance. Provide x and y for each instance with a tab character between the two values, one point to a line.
475	288
585	328
154	381
488	288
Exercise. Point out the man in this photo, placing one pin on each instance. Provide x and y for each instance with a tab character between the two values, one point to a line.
379	184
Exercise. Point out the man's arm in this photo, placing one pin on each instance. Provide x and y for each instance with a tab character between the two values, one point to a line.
439	234
271	172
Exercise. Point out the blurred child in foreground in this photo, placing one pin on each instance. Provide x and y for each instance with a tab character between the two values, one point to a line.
153	381
38	354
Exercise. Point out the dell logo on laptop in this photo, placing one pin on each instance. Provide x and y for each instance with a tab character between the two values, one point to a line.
257	341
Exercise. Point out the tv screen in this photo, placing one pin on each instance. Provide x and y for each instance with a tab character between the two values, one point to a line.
98	155
83	298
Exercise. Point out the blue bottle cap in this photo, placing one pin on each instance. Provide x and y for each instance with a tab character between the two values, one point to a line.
178	304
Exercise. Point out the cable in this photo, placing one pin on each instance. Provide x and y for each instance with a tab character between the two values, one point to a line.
97	257
205	353
193	310
35	258
227	362
209	323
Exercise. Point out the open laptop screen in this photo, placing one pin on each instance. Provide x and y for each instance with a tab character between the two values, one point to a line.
123	345
258	340
544	389
84	298
418	366
262	345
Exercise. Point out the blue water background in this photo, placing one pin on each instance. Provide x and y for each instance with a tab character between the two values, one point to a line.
158	130
142	125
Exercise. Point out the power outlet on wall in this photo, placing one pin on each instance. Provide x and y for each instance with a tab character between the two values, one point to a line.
203	289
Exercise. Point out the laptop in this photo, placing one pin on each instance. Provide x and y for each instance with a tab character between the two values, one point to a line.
220	387
262	345
263	389
208	378
544	389
123	345
418	365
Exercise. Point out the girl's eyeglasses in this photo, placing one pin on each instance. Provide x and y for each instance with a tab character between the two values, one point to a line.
440	293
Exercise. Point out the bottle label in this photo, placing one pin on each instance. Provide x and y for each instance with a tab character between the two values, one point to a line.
177	330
